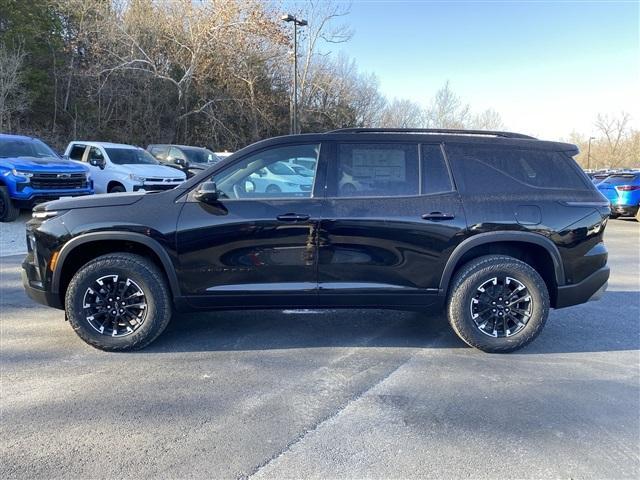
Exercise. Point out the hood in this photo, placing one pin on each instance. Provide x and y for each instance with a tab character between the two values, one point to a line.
90	201
146	170
39	164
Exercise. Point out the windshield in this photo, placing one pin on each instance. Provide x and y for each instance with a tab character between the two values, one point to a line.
200	155
15	148
619	179
129	156
280	168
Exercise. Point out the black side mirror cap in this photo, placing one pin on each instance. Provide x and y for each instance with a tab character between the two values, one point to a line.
95	162
207	192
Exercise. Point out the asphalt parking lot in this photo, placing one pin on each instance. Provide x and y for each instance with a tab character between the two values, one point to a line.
340	394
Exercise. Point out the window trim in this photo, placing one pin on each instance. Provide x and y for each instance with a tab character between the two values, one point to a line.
322	150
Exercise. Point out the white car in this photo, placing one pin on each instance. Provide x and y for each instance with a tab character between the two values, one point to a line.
116	167
279	177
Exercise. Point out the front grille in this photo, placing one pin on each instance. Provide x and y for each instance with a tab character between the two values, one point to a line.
58	181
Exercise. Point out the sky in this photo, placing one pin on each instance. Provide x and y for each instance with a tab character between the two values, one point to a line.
547	67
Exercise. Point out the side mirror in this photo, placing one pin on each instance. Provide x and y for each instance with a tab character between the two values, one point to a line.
181	162
97	162
207	192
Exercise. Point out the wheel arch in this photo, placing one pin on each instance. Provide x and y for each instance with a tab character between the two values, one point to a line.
536	250
115	183
84	248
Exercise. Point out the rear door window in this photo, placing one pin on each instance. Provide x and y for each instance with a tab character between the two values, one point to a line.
377	170
490	169
76	152
435	174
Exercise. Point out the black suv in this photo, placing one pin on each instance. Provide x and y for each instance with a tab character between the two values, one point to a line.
495	227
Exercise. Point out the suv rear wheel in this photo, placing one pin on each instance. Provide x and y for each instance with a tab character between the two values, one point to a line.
118	301
498	303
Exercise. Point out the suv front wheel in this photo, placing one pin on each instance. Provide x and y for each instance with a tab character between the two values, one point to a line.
118	301
498	303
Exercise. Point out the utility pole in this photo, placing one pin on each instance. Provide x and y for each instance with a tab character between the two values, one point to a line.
294	126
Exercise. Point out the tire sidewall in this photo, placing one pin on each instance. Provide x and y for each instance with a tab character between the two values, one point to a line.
158	306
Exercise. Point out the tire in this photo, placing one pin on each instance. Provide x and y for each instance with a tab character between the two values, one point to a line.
8	211
117	189
143	275
273	189
613	216
466	300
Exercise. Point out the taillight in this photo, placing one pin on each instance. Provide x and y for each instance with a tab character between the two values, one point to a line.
627	188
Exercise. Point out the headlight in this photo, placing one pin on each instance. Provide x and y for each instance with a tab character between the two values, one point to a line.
44	215
18	173
136	178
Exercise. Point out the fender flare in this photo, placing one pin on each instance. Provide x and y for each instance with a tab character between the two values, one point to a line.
492	237
67	249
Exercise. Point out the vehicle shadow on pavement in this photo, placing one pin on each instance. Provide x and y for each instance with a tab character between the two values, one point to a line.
586	328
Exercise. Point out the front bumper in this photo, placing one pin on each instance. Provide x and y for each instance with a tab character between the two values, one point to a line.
34	288
154	187
591	288
37	197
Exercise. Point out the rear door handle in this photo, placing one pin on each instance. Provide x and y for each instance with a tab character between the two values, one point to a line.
438	216
293	217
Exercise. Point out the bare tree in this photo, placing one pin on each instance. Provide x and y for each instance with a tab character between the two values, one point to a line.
12	97
487	120
447	110
403	113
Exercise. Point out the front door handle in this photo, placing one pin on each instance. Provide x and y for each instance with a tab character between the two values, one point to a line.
438	216
293	217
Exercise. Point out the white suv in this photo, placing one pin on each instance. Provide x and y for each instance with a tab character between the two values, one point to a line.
123	168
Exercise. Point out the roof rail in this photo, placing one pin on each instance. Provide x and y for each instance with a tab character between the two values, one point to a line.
444	131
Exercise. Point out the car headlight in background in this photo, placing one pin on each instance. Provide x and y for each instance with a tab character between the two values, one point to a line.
136	178
44	214
25	175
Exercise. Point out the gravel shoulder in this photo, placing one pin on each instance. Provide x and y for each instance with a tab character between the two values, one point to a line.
12	239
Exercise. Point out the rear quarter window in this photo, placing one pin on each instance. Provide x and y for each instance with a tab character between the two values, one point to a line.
497	169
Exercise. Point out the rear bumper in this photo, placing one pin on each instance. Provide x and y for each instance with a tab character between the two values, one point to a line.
624	210
591	288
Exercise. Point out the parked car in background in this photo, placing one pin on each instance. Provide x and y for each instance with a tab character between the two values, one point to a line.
190	160
31	173
278	177
123	168
223	155
623	191
495	228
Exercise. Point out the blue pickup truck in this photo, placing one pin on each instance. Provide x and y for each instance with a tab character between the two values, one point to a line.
31	173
